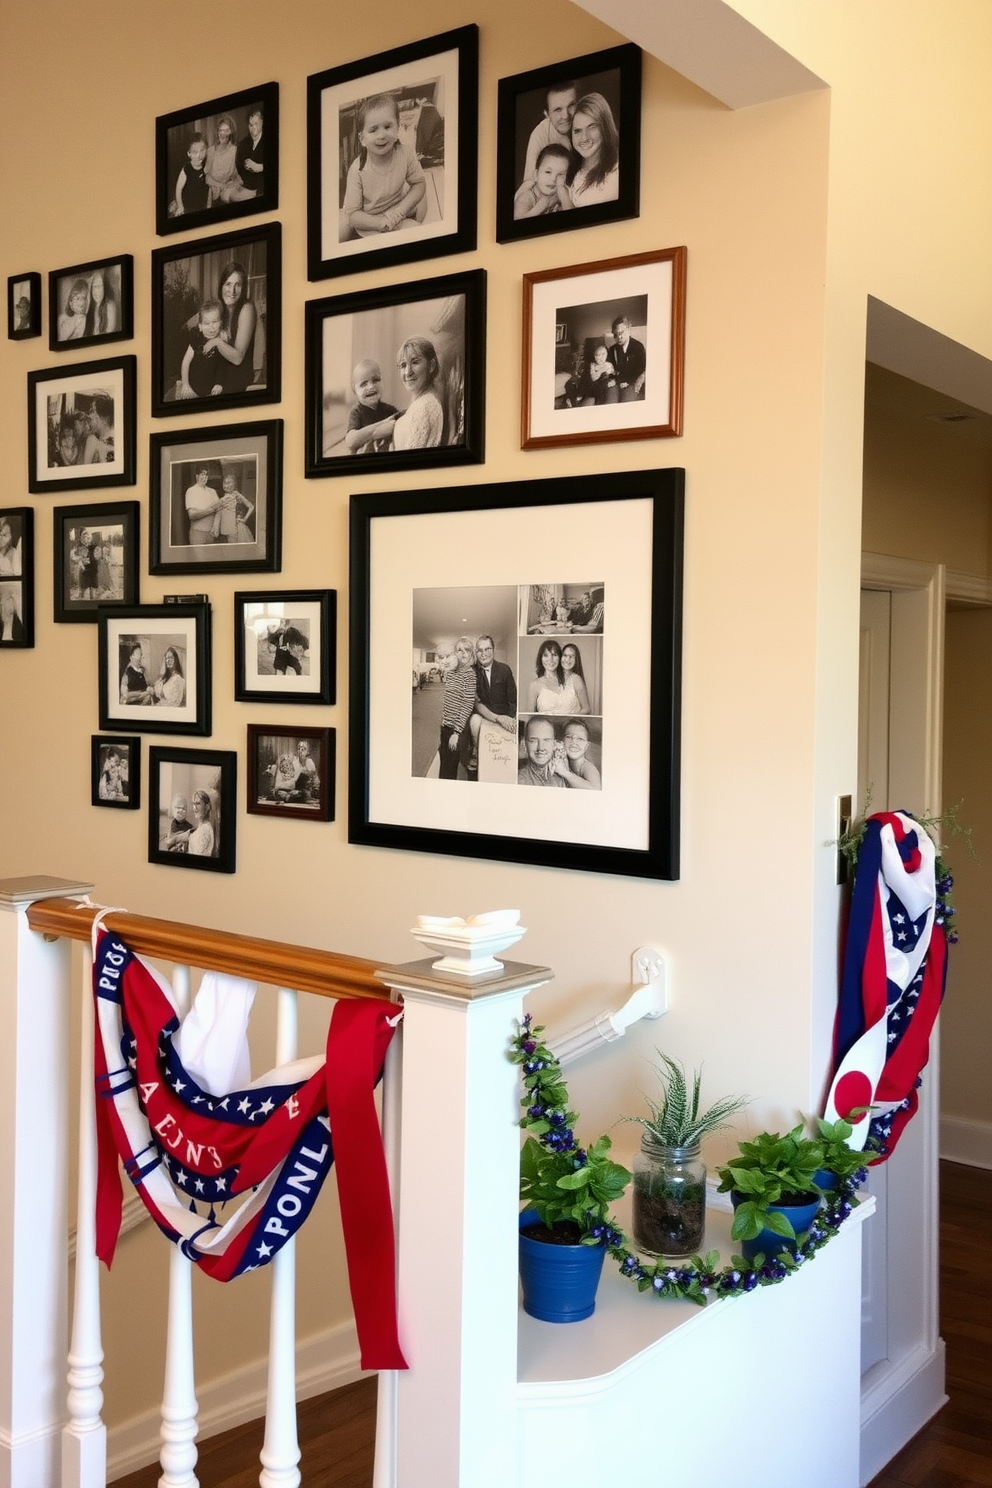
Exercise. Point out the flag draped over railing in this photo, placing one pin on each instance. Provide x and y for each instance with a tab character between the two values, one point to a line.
895	967
191	1148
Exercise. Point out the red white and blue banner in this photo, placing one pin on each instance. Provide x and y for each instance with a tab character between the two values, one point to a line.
192	1146
895	967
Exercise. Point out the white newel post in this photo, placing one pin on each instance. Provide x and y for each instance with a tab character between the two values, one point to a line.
458	1204
34	1082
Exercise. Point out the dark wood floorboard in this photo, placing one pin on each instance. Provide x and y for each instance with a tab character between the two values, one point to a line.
955	1449
337	1430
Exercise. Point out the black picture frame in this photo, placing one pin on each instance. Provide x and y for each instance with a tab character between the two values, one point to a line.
68	407
193	774
308	673
185	276
614	589
627	314
281	782
76	318
246	540
95	554
203	122
447	317
115	786
441	68
155	703
610	81
23	306
16	578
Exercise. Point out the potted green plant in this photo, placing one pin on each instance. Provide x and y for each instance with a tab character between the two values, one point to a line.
772	1185
669	1195
842	1164
567	1190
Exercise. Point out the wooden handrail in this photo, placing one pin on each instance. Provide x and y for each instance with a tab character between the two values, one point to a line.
325	973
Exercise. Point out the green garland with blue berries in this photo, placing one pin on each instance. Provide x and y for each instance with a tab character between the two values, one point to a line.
701	1277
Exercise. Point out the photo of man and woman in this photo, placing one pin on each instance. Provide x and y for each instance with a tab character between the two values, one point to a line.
508	684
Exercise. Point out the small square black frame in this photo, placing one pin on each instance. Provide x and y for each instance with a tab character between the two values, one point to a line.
120	630
86	381
322	619
128	516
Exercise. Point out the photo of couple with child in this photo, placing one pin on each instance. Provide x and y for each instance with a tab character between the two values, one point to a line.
394	379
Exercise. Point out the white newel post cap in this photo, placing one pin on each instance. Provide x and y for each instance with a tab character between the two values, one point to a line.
469	946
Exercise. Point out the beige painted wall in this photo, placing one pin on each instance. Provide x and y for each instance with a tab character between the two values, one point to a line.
966	1020
774	366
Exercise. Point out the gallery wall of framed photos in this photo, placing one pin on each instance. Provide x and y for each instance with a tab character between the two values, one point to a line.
738	190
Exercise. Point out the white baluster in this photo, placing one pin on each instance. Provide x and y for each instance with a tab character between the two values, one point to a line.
179	1407
280	1453
84	1438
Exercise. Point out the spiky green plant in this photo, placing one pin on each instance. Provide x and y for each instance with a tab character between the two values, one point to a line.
677	1121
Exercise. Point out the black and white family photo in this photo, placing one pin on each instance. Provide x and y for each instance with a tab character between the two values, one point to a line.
508	684
213	501
11	534
154	665
290	773
23	306
91	302
284	646
191	809
215	498
216	322
569	142
81	422
96	558
396	374
93	562
12	628
116	771
218	160
152	671
389	140
600	354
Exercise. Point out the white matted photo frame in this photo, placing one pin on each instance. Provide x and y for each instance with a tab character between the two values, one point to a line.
154	668
392	156
490	587
192	808
215	499
95	555
217	160
23	306
396	377
91	303
285	646
604	350
291	772
217	322
569	145
115	772
81	425
16	577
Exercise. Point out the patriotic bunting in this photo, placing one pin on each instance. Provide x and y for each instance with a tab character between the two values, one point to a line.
895	968
191	1150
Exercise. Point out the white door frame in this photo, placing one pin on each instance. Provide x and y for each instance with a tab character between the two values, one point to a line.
902	1391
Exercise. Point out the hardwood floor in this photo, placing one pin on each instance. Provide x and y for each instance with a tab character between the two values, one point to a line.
337	1430
955	1449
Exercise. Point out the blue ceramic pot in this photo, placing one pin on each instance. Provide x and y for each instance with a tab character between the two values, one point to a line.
800	1216
559	1281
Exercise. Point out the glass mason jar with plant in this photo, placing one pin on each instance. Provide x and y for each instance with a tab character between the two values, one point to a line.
669	1193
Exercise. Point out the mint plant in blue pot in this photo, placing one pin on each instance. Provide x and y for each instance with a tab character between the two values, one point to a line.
566	1189
772	1186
